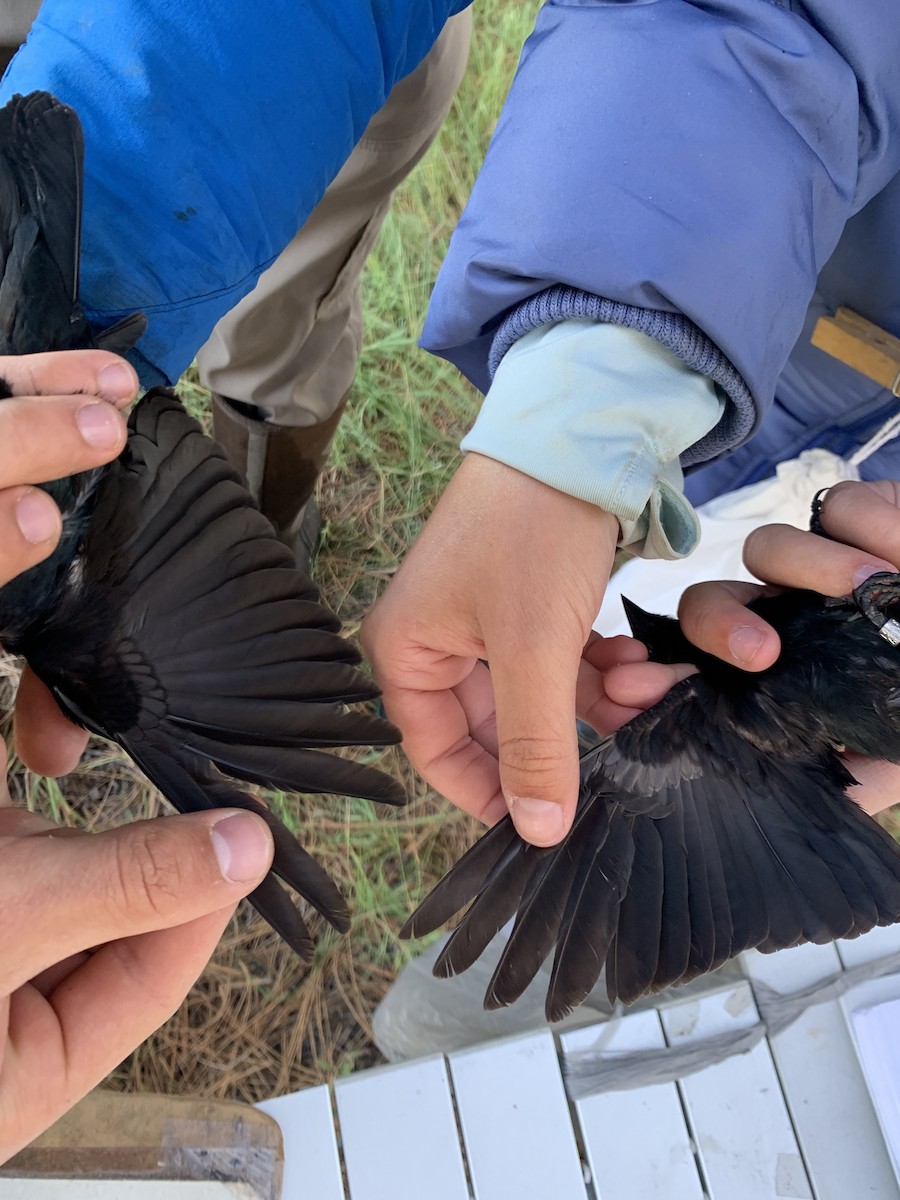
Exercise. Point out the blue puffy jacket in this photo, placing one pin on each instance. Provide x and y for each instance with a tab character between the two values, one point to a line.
714	172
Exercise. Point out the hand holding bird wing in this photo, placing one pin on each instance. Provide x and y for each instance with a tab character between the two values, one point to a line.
864	521
61	419
58	421
154	896
510	572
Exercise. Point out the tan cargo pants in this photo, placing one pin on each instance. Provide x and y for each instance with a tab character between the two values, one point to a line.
16	17
291	346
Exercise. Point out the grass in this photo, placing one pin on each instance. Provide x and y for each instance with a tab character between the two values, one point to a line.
259	1023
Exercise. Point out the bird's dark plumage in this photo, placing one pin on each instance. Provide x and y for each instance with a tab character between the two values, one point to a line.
714	822
170	619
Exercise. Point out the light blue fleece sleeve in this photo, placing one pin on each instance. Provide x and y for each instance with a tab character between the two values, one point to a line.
604	413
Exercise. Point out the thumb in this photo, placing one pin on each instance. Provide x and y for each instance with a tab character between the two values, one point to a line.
74	892
537	739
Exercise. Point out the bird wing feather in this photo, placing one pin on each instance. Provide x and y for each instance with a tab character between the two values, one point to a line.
689	846
176	561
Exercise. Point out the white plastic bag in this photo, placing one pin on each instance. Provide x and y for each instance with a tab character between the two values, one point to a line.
725	523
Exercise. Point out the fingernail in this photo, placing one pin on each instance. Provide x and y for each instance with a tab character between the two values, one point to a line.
117	382
538	821
37	517
243	847
744	644
100	425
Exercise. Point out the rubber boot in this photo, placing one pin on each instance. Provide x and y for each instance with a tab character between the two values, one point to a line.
280	464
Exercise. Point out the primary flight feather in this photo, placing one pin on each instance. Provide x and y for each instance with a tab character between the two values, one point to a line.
170	619
714	822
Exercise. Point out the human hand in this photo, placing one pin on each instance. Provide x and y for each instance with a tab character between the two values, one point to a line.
61	418
510	572
102	936
864	518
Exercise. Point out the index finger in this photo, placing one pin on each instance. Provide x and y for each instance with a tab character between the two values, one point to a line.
71	372
440	739
790	557
45	740
715	618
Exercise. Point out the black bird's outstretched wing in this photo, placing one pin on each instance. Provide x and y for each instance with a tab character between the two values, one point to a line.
170	618
186	635
689	845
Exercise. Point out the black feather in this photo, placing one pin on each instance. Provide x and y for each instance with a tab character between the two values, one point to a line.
171	619
714	822
591	917
491	909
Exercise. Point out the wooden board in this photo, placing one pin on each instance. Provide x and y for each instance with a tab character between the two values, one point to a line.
863	346
312	1164
877	943
157	1138
735	1108
823	1084
124	1189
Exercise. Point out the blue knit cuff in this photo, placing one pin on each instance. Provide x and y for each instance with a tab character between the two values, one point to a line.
672	330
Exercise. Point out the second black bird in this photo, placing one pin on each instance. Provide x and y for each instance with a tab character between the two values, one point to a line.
712	823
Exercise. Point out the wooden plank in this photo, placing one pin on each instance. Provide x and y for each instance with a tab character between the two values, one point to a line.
124	1189
515	1121
399	1133
637	1142
823	1084
155	1137
860	344
312	1165
735	1108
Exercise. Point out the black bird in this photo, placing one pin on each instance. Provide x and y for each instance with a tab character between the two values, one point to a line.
170	619
714	822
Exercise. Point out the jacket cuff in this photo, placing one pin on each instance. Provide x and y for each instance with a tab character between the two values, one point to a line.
603	413
674	331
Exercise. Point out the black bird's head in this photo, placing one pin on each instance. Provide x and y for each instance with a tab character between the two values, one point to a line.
839	666
839	670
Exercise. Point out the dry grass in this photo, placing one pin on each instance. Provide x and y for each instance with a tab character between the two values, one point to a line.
259	1022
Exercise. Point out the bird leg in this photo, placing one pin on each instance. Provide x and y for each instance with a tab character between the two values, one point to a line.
874	597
